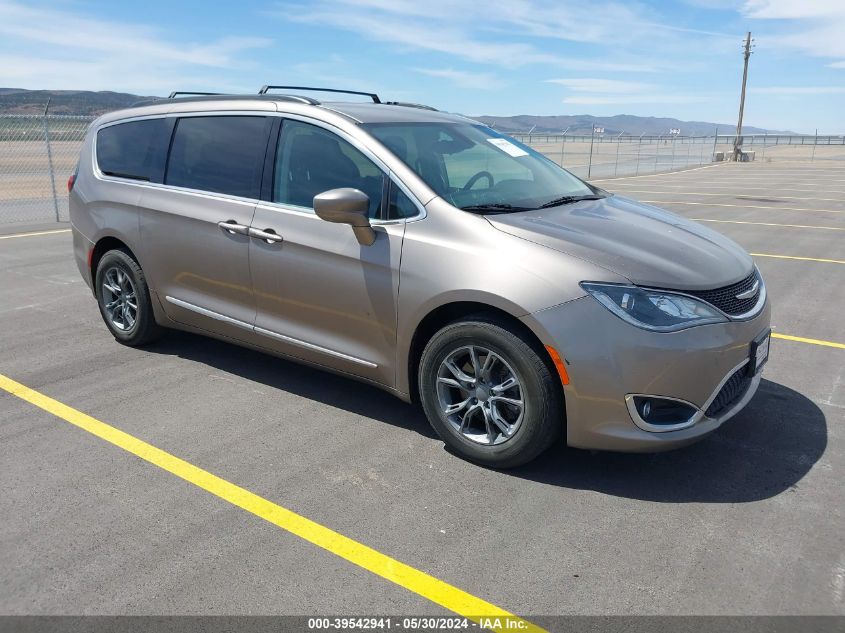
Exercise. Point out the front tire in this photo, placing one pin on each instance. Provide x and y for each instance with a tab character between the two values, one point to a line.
124	299
488	392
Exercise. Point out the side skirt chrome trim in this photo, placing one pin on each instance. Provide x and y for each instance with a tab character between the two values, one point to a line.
209	313
311	346
264	332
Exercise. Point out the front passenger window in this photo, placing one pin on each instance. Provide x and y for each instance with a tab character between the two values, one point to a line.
311	160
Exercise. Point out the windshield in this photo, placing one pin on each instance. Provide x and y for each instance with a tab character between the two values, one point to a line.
475	168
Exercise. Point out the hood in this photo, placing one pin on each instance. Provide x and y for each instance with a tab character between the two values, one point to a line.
645	244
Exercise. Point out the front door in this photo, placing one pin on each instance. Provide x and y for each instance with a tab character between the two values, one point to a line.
321	296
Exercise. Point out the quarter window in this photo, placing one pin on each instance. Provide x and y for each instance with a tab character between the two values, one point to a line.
400	205
311	160
132	150
221	154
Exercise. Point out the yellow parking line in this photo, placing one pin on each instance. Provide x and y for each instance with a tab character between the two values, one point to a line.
811	341
792	226
806	259
733	189
740	206
728	195
412	579
33	234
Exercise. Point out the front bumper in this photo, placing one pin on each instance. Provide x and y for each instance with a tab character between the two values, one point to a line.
608	359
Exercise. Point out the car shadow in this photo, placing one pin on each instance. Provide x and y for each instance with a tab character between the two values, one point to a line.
302	380
763	451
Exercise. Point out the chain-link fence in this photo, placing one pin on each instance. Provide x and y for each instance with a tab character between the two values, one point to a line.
37	155
608	156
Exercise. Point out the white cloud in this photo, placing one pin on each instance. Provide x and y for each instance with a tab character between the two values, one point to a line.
466	80
596	91
54	48
594	22
442	39
715	4
458	29
799	90
791	9
821	24
587	84
632	99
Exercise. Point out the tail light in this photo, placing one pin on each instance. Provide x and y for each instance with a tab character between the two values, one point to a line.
70	182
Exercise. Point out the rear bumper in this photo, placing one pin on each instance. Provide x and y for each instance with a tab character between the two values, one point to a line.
82	248
607	359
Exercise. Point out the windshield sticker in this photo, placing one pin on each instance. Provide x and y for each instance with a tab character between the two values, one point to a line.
507	147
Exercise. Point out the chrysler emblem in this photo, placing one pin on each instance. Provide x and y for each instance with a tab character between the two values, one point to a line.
750	292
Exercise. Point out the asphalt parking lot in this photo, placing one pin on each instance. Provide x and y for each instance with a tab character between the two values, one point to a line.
747	522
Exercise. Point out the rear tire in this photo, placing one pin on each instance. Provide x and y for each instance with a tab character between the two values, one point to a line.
124	299
488	392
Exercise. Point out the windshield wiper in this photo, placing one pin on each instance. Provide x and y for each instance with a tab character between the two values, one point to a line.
568	200
493	207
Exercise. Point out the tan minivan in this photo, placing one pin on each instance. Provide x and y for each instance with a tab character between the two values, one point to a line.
426	254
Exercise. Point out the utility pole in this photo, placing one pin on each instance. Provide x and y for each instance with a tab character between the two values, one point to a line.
50	159
618	143
738	138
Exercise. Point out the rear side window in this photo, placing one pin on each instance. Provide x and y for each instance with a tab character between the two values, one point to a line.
132	150
221	154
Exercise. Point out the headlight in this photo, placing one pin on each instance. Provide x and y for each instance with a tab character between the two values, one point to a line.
655	310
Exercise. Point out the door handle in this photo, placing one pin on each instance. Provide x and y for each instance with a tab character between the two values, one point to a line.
233	227
268	235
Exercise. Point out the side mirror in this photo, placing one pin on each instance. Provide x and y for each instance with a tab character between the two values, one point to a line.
347	206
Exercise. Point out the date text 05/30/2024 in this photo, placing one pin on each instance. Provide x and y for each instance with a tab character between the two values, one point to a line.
416	623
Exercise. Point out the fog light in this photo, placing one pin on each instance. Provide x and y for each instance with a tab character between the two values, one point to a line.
663	411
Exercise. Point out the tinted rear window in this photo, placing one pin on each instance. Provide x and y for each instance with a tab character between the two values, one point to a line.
131	150
222	154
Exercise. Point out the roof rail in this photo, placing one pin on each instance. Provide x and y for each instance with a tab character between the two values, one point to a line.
371	95
411	105
224	97
175	94
298	98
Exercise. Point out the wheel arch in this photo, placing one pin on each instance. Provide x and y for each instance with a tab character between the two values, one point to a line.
447	313
104	245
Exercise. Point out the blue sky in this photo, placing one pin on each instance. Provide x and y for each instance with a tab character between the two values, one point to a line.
671	58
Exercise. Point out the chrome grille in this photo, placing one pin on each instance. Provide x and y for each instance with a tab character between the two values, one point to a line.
725	298
730	393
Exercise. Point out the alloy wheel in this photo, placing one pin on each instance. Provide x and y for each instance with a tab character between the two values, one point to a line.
480	395
119	299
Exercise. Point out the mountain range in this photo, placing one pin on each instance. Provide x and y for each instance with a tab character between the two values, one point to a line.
82	102
621	123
